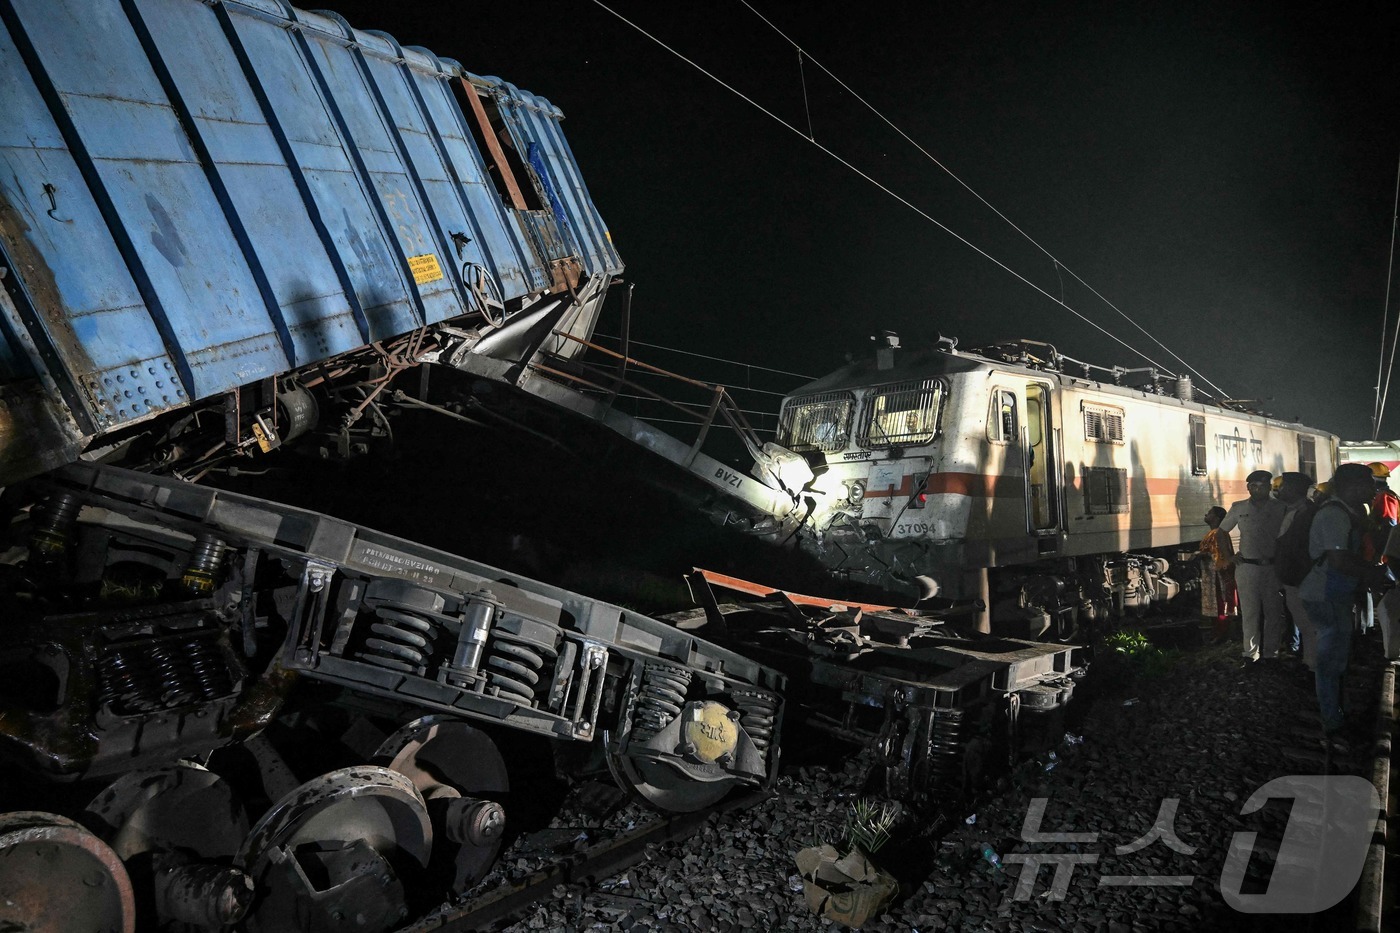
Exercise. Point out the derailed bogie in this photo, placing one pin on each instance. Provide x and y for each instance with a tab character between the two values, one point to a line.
155	621
940	709
1062	600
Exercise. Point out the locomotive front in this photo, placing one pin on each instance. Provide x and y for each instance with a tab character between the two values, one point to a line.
891	499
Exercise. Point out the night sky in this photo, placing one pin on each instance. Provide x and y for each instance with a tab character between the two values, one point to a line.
1222	172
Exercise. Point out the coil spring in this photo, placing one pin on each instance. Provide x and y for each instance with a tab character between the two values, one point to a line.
173	672
400	639
53	523
162	675
758	714
945	748
515	665
125	683
660	700
211	673
205	560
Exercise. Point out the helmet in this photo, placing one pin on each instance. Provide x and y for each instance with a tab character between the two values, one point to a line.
1380	470
1324	488
1277	484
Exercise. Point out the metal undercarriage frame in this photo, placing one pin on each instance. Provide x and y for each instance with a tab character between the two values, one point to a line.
266	593
936	706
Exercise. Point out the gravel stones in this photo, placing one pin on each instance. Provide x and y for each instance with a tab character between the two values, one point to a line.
1205	734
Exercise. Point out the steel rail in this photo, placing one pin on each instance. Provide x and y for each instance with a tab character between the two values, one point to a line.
587	867
1370	889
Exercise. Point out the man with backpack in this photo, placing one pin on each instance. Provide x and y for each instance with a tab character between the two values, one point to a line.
1329	590
1291	558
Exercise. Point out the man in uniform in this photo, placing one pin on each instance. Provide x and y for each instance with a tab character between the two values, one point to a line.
1261	603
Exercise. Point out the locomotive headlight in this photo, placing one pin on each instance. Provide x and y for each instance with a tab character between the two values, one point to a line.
855	491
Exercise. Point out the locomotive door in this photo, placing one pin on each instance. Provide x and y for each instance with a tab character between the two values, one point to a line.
1042	480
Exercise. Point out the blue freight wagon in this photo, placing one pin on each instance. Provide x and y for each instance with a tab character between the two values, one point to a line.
227	225
201	203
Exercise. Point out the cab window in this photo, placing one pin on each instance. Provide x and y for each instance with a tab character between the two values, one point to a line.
817	422
1003	424
902	414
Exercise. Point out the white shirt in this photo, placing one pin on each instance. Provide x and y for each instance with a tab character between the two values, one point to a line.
1259	525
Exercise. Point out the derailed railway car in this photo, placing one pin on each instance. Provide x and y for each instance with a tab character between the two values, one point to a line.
1021	478
153	623
226	226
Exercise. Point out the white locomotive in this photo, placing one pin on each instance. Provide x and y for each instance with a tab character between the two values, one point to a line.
1012	480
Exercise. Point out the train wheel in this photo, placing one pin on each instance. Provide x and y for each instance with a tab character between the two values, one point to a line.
324	856
57	876
462	777
183	807
187	824
663	787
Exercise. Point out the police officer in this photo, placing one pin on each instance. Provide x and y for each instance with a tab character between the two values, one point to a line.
1261	600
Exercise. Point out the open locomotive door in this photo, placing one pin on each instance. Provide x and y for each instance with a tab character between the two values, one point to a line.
1043	474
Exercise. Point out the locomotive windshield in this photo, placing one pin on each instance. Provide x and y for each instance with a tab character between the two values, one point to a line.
903	414
817	422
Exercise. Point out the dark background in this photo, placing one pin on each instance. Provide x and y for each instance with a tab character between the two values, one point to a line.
1222	172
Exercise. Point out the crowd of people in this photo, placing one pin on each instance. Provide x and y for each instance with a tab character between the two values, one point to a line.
1305	574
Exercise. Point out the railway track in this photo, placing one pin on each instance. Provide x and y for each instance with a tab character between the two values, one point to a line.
580	871
953	877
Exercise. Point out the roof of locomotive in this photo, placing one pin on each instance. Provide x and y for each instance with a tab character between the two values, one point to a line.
934	361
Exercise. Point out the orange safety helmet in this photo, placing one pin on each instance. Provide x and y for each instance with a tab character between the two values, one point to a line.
1380	470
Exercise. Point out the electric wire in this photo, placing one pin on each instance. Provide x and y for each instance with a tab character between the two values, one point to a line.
898	197
733	387
1381	395
802	73
717	425
1058	265
657	346
695	407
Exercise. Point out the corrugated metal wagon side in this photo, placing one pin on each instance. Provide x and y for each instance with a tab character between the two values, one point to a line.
197	196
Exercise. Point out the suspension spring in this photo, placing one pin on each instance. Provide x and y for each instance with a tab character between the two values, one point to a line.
210	671
758	713
514	671
207	557
125	683
53	524
660	700
945	748
163	673
400	639
516	655
515	665
171	669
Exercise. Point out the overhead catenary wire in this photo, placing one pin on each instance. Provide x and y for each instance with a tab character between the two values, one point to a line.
802	73
801	52
695	407
703	356
887	190
1383	386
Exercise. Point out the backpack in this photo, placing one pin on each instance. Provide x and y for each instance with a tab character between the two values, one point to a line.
1291	558
1292	561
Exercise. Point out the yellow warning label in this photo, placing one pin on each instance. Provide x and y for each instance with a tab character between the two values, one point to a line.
711	732
425	268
